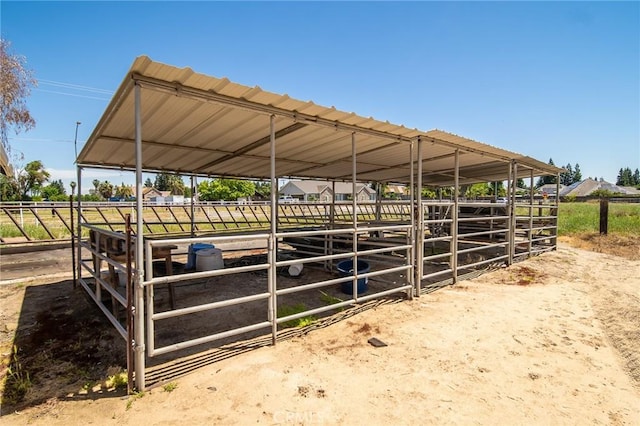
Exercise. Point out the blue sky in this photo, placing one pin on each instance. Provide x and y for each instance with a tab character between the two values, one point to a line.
559	80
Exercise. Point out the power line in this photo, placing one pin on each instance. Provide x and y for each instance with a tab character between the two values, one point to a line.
75	86
41	140
72	94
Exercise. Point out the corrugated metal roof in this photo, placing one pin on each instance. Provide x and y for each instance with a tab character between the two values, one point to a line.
5	168
198	124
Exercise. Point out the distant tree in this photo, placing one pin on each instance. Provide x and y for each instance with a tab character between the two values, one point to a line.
225	189
520	183
16	82
429	192
548	179
91	197
55	191
31	178
169	182
476	190
501	190
9	190
636	177
96	185
105	189
577	174
566	178
603	193
625	177
123	191
148	183
263	189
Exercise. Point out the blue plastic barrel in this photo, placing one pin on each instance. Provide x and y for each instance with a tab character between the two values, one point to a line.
193	248
346	270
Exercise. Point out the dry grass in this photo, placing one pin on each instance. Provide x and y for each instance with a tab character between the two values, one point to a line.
627	246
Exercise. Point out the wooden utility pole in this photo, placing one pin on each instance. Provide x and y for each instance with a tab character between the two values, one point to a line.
604	216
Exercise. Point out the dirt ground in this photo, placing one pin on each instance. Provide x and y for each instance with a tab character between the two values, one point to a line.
552	340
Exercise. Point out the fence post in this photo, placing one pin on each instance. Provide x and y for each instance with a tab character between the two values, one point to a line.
73	241
604	216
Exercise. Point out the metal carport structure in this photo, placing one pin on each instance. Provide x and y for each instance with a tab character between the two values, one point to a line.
168	119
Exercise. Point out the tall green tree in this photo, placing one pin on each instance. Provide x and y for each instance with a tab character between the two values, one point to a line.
55	191
123	191
225	189
577	174
625	177
105	189
16	81
96	186
476	190
548	179
636	177
148	183
9	190
31	178
566	178
169	182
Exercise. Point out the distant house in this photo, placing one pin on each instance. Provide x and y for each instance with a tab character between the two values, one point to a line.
550	189
152	194
313	190
588	186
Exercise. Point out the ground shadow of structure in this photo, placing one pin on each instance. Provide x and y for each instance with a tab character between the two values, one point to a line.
62	348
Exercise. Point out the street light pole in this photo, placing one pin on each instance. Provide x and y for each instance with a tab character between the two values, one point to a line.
75	140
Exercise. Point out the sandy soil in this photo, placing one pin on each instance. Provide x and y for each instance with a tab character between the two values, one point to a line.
552	340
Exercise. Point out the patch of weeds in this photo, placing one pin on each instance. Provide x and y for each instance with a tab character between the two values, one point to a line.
18	381
117	381
133	398
88	386
286	310
329	299
170	387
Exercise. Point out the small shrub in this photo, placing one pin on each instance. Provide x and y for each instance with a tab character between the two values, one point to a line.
170	387
286	310
18	381
117	381
329	299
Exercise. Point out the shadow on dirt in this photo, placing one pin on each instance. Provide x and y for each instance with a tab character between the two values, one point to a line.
63	348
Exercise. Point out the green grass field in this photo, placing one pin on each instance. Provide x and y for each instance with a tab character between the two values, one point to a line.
577	218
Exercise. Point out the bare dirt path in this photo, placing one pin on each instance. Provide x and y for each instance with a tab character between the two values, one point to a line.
552	340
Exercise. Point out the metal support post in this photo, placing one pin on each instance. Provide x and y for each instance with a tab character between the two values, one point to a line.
193	196
414	256
419	241
354	206
454	217
273	246
139	245
78	265
531	201
509	215
514	222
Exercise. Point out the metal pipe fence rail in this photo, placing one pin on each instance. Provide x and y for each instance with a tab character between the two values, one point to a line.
270	297
485	234
28	223
447	242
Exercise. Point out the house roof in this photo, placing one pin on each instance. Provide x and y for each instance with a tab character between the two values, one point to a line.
192	123
587	186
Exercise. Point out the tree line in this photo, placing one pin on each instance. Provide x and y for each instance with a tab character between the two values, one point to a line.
627	178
